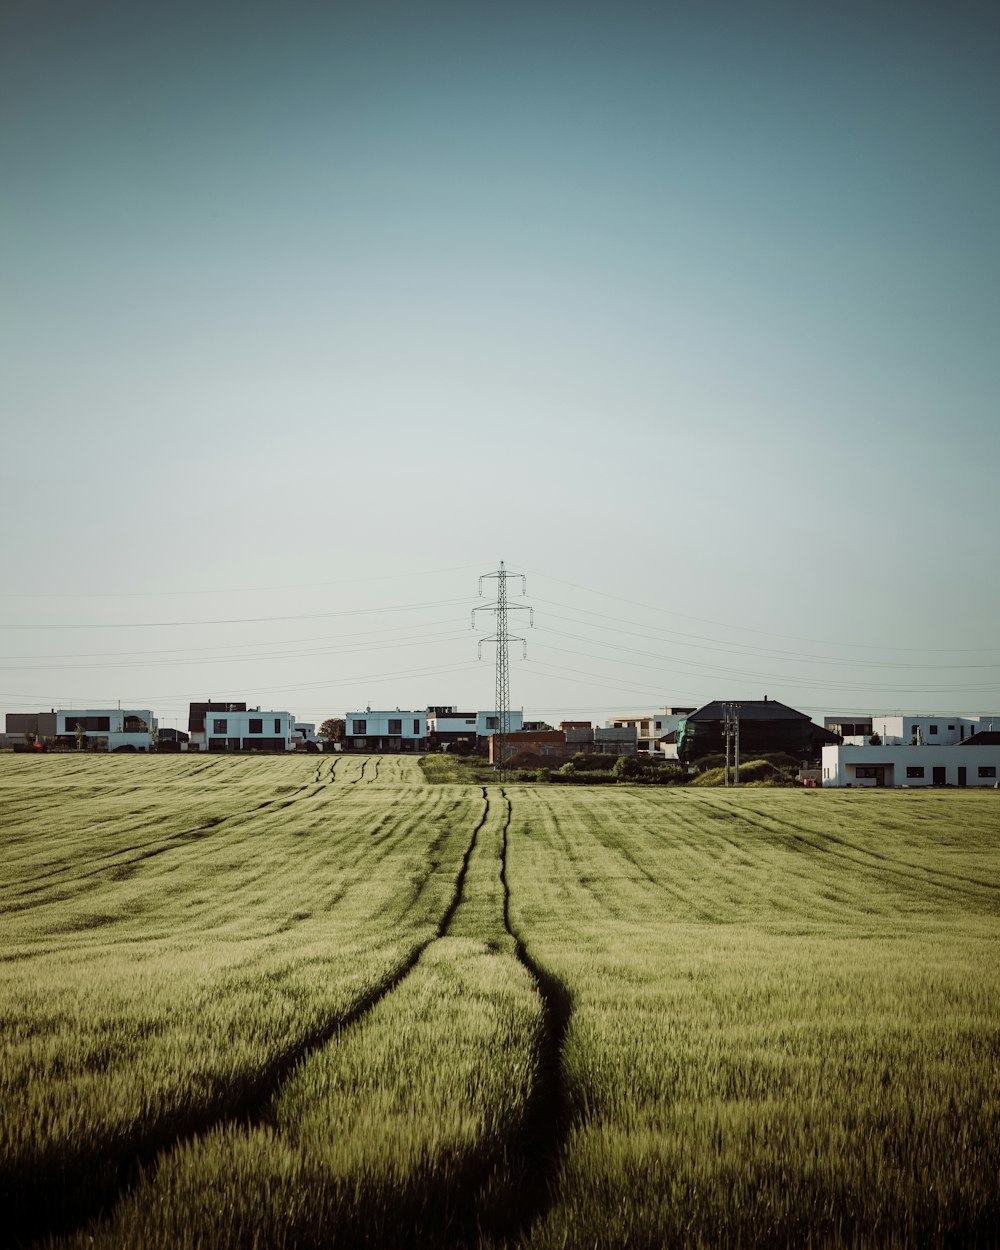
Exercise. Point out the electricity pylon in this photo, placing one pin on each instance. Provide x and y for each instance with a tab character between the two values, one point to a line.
502	637
731	732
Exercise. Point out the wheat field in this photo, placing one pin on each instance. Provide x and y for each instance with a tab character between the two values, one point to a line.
313	1001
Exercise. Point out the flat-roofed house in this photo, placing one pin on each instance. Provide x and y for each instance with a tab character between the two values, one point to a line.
385	732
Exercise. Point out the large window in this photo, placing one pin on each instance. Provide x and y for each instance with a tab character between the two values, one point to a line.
867	772
396	726
914	770
416	726
932	729
987	770
256	725
220	726
359	726
277	724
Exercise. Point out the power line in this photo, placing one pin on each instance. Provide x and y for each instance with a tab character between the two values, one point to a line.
659	609
228	590
247	620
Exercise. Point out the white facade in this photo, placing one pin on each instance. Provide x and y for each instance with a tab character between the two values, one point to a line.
397	730
248	731
120	726
942	731
861	764
489	723
452	722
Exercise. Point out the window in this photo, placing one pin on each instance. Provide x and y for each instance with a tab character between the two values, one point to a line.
256	725
277	724
987	770
868	771
416	726
932	729
359	726
395	726
492	722
914	770
951	727
220	726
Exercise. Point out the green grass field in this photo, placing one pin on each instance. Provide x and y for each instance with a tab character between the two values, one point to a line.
315	1001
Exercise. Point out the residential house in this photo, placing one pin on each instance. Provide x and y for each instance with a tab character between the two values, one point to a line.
650	727
385	732
249	729
924	750
765	726
197	716
106	729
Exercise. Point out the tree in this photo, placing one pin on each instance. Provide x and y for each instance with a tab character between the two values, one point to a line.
332	730
81	735
626	766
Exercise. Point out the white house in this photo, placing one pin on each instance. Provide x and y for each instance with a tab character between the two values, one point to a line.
859	763
447	726
110	729
249	730
385	731
941	731
489	723
304	734
650	727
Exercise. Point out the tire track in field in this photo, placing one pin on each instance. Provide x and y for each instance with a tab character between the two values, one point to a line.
543	1133
138	853
97	1186
801	838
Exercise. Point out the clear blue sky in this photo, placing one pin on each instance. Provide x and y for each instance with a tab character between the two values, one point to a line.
691	306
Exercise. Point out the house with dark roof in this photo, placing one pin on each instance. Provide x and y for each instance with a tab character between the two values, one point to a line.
766	726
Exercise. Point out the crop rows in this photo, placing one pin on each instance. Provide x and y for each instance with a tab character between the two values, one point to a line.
304	1003
785	1015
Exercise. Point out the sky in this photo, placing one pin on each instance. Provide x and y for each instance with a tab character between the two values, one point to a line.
311	313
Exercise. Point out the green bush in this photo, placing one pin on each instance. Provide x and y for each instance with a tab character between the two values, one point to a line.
593	761
626	768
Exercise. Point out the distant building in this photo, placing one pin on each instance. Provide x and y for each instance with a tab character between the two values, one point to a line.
385	732
197	715
24	726
765	726
531	747
172	740
545	746
848	724
961	764
304	736
650	726
106	729
616	740
38	724
249	729
447	727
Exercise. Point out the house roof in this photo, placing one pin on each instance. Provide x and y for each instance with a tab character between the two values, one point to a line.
984	738
749	709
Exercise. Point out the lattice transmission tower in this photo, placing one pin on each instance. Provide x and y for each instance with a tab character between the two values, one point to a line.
501	746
